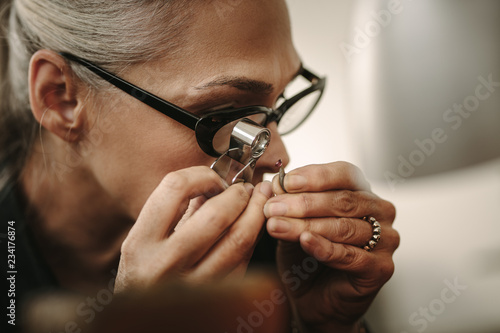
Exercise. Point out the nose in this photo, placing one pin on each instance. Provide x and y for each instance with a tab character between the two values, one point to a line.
274	152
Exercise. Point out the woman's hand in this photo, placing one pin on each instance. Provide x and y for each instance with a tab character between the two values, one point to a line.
330	278
216	238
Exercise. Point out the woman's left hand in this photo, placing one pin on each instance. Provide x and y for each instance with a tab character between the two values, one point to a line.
330	279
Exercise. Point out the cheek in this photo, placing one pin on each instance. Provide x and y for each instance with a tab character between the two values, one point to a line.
137	151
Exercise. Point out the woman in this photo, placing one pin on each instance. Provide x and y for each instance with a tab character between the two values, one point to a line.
106	181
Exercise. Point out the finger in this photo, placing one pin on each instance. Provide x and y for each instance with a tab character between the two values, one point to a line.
277	189
323	177
339	230
170	200
194	205
238	273
371	266
342	203
235	248
338	256
191	242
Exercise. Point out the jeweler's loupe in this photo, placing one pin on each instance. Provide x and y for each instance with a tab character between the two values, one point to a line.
248	142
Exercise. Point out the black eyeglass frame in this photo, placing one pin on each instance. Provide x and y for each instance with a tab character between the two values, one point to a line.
206	126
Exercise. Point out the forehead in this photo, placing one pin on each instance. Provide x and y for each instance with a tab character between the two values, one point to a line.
248	38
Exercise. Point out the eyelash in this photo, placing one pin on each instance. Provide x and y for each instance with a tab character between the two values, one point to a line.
234	104
220	107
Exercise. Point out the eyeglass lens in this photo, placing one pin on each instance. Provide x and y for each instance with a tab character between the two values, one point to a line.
298	112
289	121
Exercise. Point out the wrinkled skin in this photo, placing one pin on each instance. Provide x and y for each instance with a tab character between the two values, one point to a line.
147	173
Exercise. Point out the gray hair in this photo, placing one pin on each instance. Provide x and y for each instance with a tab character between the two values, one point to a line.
113	34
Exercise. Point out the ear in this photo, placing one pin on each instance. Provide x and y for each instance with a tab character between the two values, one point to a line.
54	95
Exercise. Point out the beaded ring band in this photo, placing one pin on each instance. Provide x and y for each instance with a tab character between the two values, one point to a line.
376	229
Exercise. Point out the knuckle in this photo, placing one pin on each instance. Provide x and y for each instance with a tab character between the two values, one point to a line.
352	172
347	168
389	210
305	204
345	165
344	229
355	259
326	172
125	248
211	215
175	181
307	225
349	256
386	269
242	244
393	239
360	258
346	202
129	248
397	240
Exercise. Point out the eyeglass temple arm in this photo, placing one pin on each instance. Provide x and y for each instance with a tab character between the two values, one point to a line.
170	110
310	76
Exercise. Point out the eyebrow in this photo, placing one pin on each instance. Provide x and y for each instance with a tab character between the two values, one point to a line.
245	84
241	83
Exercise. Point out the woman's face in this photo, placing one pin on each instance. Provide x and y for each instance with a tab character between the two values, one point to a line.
247	42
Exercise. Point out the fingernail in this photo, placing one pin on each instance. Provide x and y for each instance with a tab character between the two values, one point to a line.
266	188
279	226
312	240
295	182
249	187
275	209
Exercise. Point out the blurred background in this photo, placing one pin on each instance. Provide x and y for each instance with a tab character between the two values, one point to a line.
413	98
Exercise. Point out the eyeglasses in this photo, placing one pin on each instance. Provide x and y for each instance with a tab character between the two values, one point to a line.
213	130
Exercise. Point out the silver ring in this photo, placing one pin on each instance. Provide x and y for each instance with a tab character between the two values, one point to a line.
376	229
282	179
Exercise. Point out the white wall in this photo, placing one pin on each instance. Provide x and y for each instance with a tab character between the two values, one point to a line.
318	26
449	224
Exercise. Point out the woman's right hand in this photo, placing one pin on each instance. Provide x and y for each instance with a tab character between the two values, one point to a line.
215	240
